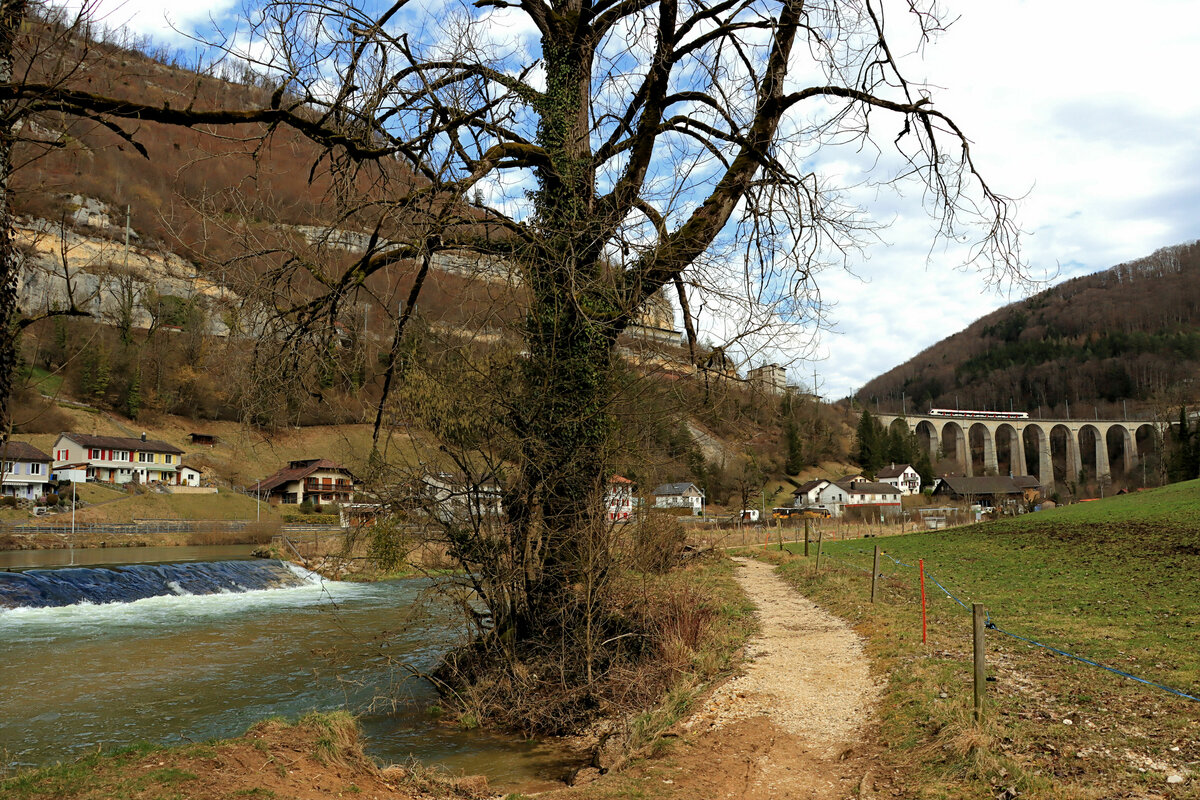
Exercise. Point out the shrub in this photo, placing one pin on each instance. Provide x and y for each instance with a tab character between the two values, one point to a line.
658	541
312	519
52	499
8	502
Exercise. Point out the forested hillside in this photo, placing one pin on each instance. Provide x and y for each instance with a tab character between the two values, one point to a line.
1129	333
166	255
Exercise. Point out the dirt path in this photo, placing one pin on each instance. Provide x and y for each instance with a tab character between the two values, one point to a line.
794	725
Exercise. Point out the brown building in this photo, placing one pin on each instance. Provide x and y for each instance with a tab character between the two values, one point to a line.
317	479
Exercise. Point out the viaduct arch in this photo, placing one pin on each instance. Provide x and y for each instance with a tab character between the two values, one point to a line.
1027	443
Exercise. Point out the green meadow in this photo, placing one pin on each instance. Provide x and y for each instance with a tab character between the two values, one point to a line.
1116	581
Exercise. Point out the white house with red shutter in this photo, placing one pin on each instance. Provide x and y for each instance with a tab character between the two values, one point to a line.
618	499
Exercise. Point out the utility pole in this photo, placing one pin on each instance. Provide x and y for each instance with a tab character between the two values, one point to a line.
71	543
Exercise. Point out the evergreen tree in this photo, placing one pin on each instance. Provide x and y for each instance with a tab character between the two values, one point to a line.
924	468
95	375
901	446
1183	463
870	443
795	448
132	401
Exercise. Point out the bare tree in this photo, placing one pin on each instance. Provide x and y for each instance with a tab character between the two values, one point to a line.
632	146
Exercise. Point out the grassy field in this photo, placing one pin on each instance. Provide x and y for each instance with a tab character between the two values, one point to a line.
1114	581
223	505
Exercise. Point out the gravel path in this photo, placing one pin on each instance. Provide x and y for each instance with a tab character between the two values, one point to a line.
807	671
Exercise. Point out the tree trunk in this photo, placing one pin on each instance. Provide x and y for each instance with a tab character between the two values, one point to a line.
12	13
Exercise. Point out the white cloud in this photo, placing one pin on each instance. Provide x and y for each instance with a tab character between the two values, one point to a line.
156	19
1088	107
1084	106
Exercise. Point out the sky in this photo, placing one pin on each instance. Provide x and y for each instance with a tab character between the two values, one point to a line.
1085	109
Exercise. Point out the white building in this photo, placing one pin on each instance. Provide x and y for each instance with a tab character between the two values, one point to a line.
189	476
24	470
809	493
679	495
618	499
902	476
857	492
769	379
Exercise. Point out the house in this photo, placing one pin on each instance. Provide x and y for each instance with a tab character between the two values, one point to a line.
454	497
808	493
854	491
317	479
679	495
117	459
1030	487
618	498
189	476
902	476
985	490
768	379
24	470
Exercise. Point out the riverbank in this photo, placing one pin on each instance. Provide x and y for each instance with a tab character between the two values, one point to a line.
319	757
703	649
754	736
252	533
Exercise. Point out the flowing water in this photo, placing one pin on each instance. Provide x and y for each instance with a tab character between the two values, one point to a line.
177	666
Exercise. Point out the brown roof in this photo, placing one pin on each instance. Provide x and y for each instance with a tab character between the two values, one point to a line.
1027	482
21	451
894	471
986	484
868	487
295	471
808	486
122	443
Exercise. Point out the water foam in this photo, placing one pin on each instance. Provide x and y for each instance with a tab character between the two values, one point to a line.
69	586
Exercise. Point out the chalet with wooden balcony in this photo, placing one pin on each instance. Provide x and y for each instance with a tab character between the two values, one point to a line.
317	479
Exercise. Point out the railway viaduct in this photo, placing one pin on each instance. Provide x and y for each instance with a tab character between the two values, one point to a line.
1020	439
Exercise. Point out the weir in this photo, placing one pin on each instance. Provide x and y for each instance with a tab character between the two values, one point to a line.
67	586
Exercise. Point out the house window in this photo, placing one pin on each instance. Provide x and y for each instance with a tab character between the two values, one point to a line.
93	453
35	468
8	466
169	458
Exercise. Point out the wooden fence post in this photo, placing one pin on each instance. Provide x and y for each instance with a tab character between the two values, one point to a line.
924	624
978	617
874	573
806	523
820	541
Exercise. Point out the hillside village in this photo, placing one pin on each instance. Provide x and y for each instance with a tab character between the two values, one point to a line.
433	402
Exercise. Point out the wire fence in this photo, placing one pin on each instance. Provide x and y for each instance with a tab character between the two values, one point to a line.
991	625
140	526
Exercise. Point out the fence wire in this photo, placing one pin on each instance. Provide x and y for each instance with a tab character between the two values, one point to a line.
993	626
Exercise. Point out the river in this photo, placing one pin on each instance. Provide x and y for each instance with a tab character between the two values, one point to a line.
174	669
